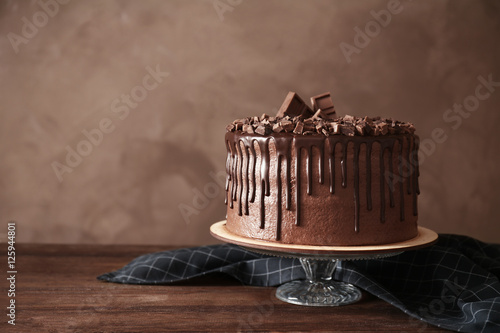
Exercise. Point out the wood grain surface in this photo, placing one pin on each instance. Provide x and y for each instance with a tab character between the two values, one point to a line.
57	291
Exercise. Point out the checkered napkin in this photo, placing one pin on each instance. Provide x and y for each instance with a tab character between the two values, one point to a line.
453	284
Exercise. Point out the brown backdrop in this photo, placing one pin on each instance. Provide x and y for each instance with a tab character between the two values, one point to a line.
142	92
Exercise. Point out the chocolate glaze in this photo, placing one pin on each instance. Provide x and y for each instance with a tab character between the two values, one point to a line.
241	147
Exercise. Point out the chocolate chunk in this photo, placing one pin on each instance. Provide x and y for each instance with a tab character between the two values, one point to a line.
264	116
407	128
294	106
382	128
360	128
299	128
277	128
368	120
349	119
324	103
309	127
348	130
248	129
317	115
230	127
287	125
263	129
335	128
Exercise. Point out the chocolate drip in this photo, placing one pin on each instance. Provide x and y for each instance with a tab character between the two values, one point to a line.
228	173
254	164
390	176
401	182
416	173
278	197
264	176
240	170
410	165
387	144
297	185
343	164
331	163
232	176
368	175
307	143
247	180
356	185
382	182
282	146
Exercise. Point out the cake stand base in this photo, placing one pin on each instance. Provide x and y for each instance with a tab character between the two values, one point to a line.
319	289
320	262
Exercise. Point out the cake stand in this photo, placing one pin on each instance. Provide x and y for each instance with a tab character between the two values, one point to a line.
320	263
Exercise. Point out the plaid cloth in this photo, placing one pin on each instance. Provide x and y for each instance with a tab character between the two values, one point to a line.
453	284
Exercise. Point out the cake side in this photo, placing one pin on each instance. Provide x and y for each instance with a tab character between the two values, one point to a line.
322	190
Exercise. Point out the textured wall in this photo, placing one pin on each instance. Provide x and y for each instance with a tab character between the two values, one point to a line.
154	83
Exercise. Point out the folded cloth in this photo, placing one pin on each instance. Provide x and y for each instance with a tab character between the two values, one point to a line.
453	284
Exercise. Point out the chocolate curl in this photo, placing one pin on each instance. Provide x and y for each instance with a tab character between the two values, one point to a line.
324	103
294	106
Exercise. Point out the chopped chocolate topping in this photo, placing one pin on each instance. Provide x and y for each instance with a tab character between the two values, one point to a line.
347	125
295	116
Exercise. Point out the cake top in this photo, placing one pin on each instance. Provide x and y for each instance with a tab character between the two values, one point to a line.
294	116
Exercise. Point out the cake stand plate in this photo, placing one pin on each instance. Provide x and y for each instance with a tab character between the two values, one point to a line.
320	262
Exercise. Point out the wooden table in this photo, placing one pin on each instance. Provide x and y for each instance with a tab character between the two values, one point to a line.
57	291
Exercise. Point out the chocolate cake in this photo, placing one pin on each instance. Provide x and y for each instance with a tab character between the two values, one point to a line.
309	177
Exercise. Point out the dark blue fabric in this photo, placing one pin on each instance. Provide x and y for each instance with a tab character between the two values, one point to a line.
453	284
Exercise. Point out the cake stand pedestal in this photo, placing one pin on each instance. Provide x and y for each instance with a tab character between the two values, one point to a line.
320	263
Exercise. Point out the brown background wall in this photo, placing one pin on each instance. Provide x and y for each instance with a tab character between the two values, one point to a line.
72	73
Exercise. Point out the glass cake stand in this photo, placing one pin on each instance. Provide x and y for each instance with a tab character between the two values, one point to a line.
320	263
